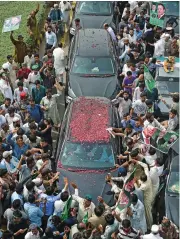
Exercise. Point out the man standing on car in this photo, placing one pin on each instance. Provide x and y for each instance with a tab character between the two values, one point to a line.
111	32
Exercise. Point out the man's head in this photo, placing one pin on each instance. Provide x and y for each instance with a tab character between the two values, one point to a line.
30	162
106	26
87	200
11	111
149	117
64	196
133	67
32	102
49	190
126	224
19	188
143	178
49	94
30	185
10	59
7	102
19	141
109	219
134	199
152	151
129	142
126	117
172	113
122	172
7	155
56	6
141	87
20	38
129	74
38	84
155	229
126	95
36	57
137	122
134	154
31	198
165	224
160	10
43	143
98	211
128	128
77	21
131	32
143	96
7	235
20	85
149	103
34	228
33	127
126	41
16	204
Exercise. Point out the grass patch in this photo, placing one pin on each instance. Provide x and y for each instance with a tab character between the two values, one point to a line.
10	9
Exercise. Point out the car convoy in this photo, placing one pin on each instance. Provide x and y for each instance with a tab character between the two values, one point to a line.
91	81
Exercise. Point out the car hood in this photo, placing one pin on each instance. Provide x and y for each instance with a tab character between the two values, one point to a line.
172	205
93	86
94	21
89	183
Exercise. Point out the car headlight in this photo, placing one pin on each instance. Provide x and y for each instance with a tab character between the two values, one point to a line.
72	31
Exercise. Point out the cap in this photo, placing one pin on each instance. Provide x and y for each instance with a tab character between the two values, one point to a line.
155	228
7	153
122	171
56	5
169	28
88	197
34	67
33	226
5	66
15	119
20	36
22	95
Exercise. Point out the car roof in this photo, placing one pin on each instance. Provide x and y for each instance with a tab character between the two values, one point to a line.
175	73
89	119
175	163
93	42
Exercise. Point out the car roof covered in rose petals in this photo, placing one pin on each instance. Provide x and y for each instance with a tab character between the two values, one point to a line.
90	117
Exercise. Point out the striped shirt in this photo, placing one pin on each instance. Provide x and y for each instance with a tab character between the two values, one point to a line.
132	234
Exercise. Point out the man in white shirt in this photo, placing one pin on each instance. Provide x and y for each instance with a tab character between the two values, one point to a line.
5	86
65	9
34	233
11	115
111	32
137	92
159	47
139	107
59	62
172	123
29	59
151	121
51	38
154	233
19	90
12	70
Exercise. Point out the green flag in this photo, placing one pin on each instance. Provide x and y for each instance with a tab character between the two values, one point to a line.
125	200
85	218
149	81
65	212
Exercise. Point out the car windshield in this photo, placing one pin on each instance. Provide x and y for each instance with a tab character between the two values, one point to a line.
96	8
87	156
172	8
93	66
166	87
173	186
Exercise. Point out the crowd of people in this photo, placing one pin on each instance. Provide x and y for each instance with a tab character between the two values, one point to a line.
32	206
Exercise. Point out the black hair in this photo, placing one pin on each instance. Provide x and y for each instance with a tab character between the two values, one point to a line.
64	196
19	137
126	223
9	57
143	94
134	198
19	188
31	198
60	45
134	153
36	55
159	161
143	178
98	211
16	204
175	98
173	111
149	102
29	160
78	235
162	5
77	20
148	115
11	110
153	60
49	190
129	73
32	138
109	219
32	125
141	85
125	92
20	83
30	185
125	115
7	235
20	131
37	82
152	151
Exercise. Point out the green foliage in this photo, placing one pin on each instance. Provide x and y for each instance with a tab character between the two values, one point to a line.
10	9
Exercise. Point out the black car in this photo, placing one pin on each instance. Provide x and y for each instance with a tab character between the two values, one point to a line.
92	64
166	83
94	15
86	152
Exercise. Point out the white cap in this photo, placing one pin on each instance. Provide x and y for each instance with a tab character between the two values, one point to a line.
15	119
7	153
56	5
5	66
155	229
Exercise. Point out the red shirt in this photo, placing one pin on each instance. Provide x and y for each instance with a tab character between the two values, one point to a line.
24	72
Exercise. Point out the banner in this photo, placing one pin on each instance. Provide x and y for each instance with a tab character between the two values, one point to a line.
149	80
161	140
157	14
11	24
125	195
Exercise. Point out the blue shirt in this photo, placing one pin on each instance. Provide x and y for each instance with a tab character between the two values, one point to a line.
35	112
17	151
34	213
15	196
50	203
126	122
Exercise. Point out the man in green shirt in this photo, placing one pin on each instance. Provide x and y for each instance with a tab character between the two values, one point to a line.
38	92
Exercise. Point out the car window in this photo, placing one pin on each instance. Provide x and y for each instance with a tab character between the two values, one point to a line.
93	65
173	185
166	87
172	8
87	155
98	8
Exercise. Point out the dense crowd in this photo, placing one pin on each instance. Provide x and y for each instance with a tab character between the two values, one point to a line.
32	205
